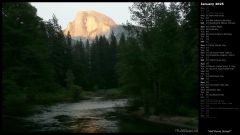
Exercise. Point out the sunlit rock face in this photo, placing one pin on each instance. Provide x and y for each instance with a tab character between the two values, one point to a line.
88	24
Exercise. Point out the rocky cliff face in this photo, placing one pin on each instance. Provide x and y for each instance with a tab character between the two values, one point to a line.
88	24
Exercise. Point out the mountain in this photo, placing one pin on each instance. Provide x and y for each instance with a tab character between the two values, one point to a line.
89	24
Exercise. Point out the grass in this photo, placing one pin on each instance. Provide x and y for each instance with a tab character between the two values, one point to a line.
111	93
186	111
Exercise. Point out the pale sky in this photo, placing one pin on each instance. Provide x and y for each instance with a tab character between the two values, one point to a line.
66	12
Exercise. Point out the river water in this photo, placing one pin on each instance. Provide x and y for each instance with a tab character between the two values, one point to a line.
84	116
94	115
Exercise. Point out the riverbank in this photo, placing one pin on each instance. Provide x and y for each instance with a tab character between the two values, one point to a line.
177	121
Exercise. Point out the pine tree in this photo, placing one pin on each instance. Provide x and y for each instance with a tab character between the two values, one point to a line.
58	50
162	52
26	58
80	64
112	80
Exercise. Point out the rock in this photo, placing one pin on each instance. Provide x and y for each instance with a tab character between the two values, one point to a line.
88	24
63	118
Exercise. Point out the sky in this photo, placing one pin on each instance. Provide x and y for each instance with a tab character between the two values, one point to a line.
66	12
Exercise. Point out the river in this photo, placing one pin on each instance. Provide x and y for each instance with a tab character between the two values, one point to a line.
95	115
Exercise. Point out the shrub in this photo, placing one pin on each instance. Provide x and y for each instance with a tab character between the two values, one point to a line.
76	92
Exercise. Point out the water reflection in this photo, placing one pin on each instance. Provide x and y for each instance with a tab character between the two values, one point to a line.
88	126
86	116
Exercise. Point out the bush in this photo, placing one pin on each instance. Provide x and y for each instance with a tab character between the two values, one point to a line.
134	104
113	93
186	111
76	92
9	86
15	104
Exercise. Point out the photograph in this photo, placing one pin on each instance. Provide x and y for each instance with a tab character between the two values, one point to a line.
100	67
